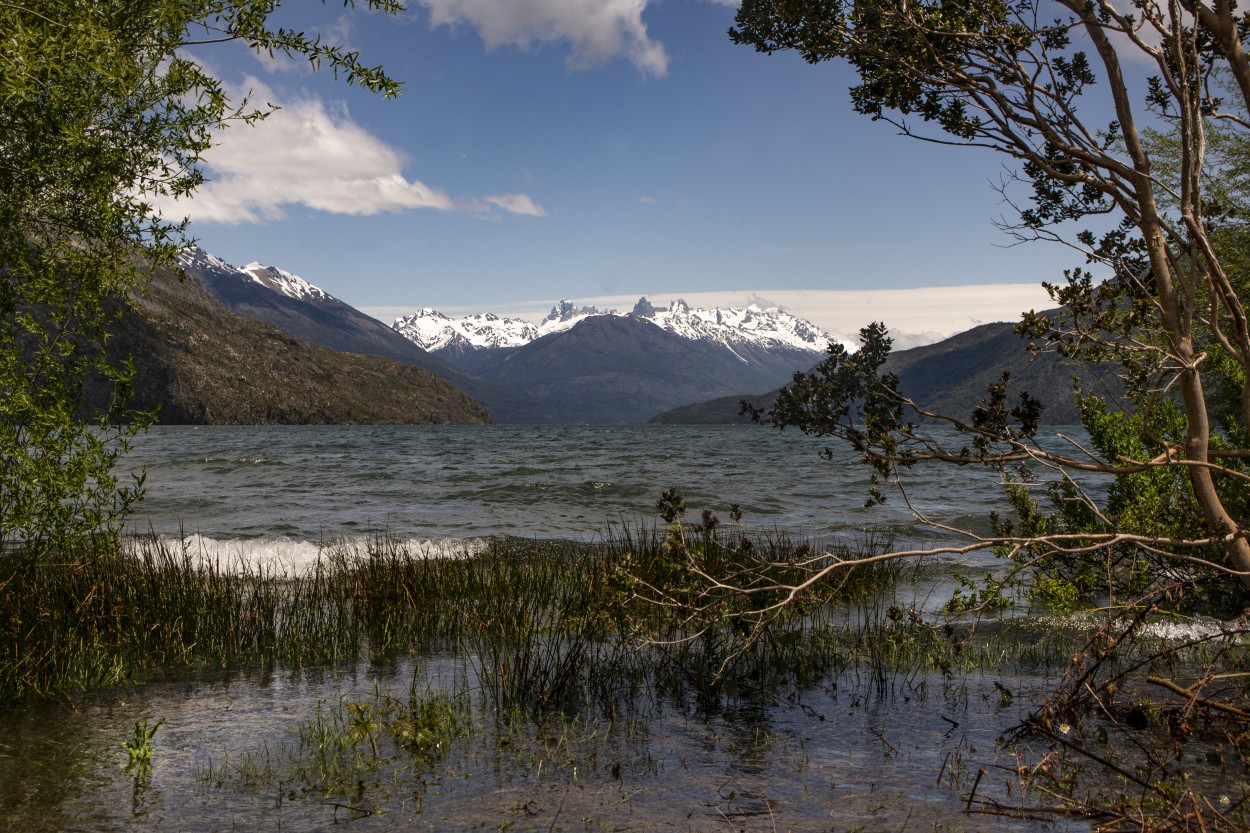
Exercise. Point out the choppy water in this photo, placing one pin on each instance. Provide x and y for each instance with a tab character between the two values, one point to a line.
266	488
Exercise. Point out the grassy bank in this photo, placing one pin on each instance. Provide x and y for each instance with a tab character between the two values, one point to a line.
538	612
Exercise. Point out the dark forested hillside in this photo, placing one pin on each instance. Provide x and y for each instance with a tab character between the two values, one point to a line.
950	377
202	363
329	322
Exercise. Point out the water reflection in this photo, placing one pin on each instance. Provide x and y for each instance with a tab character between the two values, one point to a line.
825	758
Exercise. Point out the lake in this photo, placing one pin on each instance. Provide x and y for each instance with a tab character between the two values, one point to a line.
278	491
857	752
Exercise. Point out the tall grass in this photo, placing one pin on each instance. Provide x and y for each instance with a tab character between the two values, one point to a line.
546	623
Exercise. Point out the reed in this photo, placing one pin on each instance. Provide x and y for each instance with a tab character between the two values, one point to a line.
548	624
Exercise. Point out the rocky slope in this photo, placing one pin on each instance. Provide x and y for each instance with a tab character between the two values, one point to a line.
202	363
295	306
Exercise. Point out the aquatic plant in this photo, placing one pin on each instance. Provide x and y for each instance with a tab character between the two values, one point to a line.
555	664
139	746
546	620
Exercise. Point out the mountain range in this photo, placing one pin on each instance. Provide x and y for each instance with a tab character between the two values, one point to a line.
297	307
199	362
581	365
463	340
585	365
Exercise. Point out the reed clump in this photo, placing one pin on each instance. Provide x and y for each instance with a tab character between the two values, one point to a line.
547	624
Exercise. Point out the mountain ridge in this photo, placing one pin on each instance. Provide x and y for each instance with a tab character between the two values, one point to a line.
950	377
582	364
617	369
517	372
459	337
198	362
319	317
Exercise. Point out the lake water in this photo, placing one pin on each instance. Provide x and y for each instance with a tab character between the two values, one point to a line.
278	491
834	757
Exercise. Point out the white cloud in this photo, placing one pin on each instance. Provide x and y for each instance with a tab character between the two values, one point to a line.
310	154
516	204
915	316
596	30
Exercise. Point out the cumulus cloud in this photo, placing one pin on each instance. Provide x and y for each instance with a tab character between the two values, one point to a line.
596	30
313	155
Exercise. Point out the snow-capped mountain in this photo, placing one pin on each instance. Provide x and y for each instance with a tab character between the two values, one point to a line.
280	280
432	330
564	316
200	260
292	304
270	277
734	327
579	364
769	328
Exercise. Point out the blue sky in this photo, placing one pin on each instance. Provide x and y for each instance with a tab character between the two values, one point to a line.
600	150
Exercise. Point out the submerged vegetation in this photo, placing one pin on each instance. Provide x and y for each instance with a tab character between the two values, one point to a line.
554	654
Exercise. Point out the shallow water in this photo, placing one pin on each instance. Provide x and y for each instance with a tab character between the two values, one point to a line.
823	759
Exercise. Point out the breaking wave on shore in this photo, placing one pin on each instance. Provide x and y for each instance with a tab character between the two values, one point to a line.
281	556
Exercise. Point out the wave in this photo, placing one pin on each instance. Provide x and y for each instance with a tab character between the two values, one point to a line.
1171	631
289	557
240	461
1196	629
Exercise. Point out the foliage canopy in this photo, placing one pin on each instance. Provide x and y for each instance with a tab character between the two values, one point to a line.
1135	169
1123	128
102	110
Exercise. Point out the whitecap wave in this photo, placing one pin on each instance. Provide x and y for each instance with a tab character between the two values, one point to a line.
287	557
1192	630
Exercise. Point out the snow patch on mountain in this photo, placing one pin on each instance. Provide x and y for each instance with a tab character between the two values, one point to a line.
195	257
432	330
564	316
271	277
735	327
282	281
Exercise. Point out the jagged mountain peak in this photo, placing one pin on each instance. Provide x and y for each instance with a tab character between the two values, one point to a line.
735	327
280	280
566	311
431	329
643	309
271	277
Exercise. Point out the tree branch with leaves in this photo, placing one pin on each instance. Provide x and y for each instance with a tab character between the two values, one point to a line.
1053	88
1125	126
103	111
